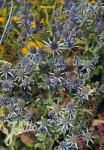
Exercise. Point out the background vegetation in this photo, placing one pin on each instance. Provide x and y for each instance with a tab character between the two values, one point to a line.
51	75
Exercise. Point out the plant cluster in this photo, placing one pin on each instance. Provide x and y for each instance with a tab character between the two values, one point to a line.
49	92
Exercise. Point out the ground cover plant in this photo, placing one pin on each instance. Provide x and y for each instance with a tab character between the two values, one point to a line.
51	97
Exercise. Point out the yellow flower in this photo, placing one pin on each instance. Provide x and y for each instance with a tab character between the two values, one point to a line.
2	49
36	44
16	19
31	44
24	51
93	1
2	20
33	24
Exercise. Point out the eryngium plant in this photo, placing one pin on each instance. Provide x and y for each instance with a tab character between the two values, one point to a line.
56	83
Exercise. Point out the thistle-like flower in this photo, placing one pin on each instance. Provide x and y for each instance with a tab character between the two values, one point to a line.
7	85
5	71
72	142
88	137
44	125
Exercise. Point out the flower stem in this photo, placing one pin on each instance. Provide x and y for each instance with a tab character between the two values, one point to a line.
7	22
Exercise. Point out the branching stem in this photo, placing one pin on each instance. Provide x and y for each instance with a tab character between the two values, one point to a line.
7	22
